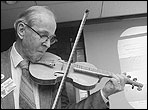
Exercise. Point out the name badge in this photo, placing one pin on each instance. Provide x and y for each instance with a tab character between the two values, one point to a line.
7	87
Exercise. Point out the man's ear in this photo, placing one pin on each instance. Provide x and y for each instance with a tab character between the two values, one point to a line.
21	30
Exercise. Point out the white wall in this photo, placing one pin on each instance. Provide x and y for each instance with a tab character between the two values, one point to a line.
101	50
73	10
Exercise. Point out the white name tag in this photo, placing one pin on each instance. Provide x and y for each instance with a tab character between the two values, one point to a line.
7	87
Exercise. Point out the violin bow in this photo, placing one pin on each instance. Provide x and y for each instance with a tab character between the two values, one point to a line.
70	58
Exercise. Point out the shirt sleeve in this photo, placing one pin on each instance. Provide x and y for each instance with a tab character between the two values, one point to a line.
106	100
94	101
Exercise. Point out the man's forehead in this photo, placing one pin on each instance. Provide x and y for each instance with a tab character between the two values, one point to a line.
45	28
45	22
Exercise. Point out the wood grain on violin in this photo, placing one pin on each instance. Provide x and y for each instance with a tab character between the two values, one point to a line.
50	69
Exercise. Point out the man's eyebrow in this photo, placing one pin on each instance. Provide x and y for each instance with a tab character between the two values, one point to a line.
44	32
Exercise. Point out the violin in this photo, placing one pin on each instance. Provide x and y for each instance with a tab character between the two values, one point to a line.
50	69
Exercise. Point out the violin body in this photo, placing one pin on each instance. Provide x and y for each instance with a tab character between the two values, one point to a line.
50	69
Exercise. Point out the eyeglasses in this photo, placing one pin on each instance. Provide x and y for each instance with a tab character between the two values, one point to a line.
44	37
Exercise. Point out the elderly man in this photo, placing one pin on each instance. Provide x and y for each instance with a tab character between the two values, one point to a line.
35	30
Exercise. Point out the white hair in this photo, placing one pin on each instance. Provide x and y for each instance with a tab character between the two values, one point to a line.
29	15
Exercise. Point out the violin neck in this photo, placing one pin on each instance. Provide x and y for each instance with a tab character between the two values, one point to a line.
102	73
92	71
131	82
105	73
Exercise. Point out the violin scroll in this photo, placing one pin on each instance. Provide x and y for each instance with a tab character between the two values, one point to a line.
134	83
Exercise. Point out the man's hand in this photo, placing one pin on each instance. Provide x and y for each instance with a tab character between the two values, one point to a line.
114	85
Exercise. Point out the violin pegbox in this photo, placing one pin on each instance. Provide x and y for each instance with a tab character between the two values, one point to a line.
134	79
139	87
134	83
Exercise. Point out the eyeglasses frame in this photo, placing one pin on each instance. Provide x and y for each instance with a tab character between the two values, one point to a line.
47	38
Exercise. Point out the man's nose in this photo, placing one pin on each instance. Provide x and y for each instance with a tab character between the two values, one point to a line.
47	43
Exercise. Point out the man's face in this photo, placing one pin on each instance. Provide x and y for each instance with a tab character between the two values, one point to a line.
33	46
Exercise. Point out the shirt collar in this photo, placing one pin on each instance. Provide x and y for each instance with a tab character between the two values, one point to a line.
15	56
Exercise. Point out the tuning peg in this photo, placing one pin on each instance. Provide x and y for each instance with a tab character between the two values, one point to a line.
134	79
128	76
139	88
132	86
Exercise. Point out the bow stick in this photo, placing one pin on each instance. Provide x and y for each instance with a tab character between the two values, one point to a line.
70	58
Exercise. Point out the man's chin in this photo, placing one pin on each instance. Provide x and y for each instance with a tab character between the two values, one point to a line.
36	59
